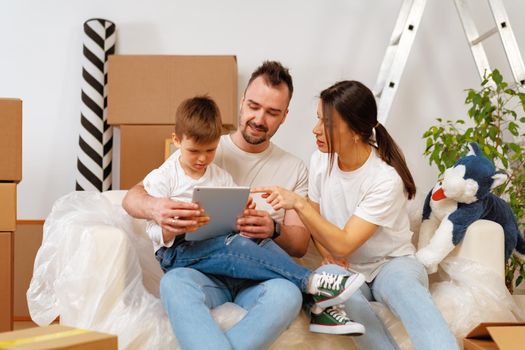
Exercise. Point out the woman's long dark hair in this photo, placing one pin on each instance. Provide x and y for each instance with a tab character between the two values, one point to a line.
357	107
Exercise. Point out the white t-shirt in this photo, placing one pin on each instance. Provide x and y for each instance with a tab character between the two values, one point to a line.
170	181
272	167
375	193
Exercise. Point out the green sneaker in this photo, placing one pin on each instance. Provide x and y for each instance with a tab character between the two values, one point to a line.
333	289
333	320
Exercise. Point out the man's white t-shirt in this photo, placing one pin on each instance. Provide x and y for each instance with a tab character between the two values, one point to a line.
375	193
170	181
272	167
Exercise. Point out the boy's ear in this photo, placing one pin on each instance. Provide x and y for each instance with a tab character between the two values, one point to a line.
175	140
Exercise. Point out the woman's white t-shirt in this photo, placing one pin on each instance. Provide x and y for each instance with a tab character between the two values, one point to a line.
170	181
375	193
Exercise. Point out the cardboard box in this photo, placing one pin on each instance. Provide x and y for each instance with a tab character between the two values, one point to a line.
148	89
7	206
10	139
497	335
27	240
6	281
142	149
57	337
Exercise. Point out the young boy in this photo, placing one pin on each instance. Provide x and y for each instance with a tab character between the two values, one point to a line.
197	133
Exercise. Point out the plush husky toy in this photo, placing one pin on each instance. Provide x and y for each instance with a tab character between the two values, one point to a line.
462	198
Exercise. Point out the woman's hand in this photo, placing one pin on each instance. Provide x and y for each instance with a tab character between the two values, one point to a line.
338	261
278	197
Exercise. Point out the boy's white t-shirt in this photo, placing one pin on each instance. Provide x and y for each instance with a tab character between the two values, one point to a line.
170	181
272	167
375	193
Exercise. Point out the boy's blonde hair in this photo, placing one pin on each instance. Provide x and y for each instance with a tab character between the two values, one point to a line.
199	119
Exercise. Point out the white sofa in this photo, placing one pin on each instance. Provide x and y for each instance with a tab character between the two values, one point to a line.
107	279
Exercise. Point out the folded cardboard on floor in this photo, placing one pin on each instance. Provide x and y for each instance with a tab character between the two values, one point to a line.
27	240
57	337
10	139
496	335
147	89
6	281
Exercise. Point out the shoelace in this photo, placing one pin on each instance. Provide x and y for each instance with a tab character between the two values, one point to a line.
338	313
330	281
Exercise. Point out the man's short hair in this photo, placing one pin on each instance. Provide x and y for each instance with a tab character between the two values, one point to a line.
199	119
274	74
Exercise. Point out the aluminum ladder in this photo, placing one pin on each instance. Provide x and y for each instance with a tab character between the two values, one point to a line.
404	33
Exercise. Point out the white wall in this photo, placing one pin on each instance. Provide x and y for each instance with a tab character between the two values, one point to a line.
321	42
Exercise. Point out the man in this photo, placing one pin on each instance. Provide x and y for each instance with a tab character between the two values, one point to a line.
250	157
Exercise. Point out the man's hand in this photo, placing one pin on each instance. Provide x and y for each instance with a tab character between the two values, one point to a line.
250	204
255	224
178	217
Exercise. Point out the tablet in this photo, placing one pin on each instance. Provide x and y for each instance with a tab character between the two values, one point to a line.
223	205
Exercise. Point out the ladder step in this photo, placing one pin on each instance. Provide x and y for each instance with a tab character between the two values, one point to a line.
484	36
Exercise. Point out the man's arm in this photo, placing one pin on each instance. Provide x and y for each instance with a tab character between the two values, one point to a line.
171	216
294	238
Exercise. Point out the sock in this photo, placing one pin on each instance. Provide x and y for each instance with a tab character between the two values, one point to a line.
311	288
316	309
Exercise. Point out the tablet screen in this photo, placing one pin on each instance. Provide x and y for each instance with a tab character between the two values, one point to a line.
223	205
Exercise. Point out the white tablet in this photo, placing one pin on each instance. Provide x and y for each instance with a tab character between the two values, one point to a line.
223	205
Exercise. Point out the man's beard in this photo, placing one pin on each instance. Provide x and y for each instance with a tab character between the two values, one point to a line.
252	140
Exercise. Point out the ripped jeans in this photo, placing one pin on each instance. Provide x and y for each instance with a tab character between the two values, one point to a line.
235	256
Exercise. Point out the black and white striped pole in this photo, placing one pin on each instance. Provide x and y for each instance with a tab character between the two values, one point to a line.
96	136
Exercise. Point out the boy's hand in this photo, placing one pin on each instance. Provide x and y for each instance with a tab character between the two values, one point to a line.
178	217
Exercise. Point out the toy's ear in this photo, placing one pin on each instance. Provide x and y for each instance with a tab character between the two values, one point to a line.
499	179
474	149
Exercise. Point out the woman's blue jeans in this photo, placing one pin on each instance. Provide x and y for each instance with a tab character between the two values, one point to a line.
402	285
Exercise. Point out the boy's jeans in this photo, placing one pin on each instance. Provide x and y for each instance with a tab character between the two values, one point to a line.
237	257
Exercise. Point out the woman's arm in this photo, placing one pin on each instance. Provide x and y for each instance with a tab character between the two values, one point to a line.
338	242
327	257
294	236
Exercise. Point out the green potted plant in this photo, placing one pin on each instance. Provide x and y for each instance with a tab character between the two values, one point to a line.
496	121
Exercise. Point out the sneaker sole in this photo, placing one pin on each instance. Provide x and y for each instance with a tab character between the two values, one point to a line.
352	286
355	329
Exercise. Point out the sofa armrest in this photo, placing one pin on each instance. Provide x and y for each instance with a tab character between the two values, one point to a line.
484	243
115	196
110	252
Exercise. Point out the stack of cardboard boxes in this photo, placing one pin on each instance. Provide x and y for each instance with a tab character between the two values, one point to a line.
144	93
10	175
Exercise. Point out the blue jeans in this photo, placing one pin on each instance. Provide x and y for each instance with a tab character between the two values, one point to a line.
237	257
188	295
402	285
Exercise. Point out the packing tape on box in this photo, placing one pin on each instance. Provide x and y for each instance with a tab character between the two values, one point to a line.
43	337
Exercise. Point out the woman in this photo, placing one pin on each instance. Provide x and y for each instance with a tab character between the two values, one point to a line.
356	211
